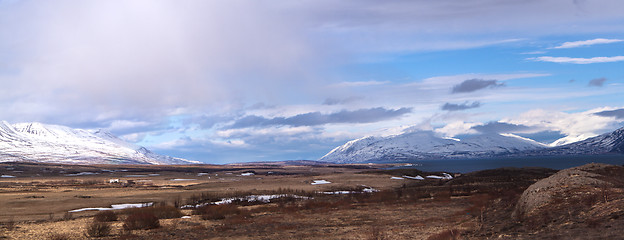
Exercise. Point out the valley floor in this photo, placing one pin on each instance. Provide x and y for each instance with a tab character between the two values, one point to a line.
354	202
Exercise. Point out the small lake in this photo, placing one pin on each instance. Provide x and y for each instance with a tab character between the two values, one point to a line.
471	165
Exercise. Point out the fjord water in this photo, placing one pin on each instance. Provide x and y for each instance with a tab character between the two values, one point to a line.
554	162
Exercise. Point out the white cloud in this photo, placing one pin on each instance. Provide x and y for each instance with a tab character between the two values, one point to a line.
446	82
237	143
578	60
576	44
120	125
457	128
576	126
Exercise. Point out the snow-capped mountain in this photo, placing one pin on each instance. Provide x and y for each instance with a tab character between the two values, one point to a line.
425	145
36	142
612	142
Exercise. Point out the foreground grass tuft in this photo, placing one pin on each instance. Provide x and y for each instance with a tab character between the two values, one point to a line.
98	229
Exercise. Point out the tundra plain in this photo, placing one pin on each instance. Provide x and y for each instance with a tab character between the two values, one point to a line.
302	200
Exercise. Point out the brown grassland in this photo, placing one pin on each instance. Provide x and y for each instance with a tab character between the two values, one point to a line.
35	203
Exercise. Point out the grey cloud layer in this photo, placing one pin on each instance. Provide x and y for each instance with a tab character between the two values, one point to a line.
459	107
472	85
337	101
618	113
500	127
317	118
597	82
112	59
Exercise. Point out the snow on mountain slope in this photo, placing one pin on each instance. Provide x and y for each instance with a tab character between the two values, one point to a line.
612	142
425	145
38	142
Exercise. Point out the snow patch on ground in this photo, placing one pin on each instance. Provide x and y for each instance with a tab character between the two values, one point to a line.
183	179
115	207
397	178
444	176
317	182
250	198
7	176
247	174
418	177
81	174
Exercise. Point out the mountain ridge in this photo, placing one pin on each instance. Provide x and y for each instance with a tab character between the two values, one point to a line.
38	142
420	145
425	145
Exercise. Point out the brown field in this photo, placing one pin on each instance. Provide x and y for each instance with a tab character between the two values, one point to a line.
35	203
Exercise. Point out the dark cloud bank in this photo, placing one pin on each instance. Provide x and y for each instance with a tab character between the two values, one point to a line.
472	85
336	101
459	107
597	82
499	127
317	118
618	113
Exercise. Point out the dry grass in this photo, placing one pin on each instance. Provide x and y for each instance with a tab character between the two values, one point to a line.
451	234
105	216
402	209
141	218
98	229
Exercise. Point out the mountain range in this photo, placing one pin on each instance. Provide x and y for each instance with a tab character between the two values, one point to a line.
422	145
36	142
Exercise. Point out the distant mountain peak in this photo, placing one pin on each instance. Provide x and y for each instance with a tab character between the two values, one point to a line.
38	142
415	145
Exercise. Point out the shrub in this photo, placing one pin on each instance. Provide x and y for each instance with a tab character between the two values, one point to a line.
105	216
166	212
98	229
161	212
217	212
10	225
141	220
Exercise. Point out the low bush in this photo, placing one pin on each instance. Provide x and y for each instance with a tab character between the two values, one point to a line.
217	212
166	212
105	216
98	229
141	220
68	216
161	212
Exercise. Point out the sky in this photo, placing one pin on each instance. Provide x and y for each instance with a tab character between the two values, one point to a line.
241	80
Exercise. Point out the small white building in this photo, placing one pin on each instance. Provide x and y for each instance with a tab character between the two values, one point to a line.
116	180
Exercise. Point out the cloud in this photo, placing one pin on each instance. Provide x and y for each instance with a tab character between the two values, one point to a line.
318	118
578	60
576	44
500	127
618	113
458	107
597	82
145	58
475	84
575	126
337	101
